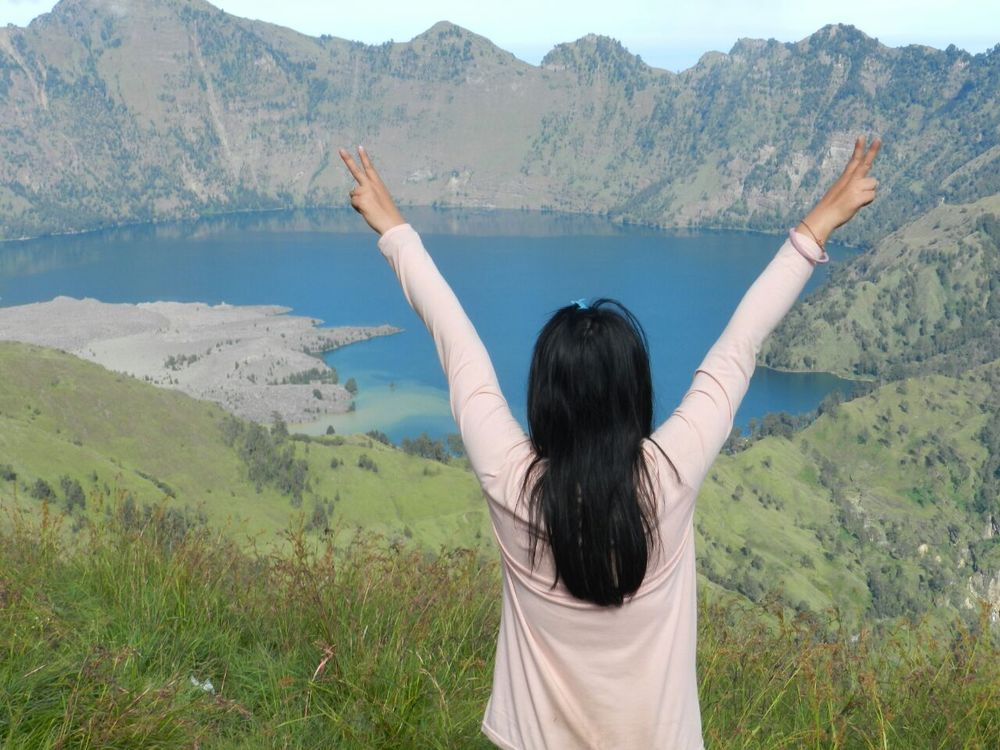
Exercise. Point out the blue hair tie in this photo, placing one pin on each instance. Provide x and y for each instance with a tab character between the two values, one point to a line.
581	303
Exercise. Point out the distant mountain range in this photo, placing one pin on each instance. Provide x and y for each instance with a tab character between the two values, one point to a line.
117	112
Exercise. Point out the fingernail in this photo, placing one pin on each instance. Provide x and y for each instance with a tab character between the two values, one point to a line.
360	147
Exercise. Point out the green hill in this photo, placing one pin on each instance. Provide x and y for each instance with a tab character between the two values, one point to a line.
877	508
926	298
116	436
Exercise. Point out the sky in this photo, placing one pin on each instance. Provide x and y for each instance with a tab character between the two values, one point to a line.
667	34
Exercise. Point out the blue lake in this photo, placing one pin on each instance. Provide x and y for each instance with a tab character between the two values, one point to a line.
510	269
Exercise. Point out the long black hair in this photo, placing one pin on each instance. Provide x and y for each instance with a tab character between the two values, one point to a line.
590	404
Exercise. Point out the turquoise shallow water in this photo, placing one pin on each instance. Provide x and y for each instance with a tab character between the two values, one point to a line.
510	269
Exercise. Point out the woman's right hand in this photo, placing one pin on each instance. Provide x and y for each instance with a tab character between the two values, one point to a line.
370	197
852	190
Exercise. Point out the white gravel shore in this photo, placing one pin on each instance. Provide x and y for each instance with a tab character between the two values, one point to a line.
235	356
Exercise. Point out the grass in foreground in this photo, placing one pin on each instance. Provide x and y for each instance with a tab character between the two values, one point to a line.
111	641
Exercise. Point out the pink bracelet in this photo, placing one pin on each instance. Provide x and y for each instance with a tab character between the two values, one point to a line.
823	258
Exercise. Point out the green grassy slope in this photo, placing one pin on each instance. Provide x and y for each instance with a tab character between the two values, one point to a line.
62	416
869	509
925	298
143	636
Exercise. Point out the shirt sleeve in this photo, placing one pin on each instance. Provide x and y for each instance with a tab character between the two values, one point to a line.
489	431
694	434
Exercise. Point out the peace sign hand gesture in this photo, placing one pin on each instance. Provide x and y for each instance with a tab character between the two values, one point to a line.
370	197
852	190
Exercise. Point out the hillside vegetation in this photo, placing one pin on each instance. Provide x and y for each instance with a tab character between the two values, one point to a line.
924	299
138	634
156	109
884	506
68	423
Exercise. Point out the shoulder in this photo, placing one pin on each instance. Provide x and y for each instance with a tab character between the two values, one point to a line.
665	469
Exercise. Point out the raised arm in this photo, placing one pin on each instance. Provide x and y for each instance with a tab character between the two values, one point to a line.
694	434
488	428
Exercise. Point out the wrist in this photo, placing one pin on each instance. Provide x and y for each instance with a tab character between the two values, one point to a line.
816	225
387	227
389	221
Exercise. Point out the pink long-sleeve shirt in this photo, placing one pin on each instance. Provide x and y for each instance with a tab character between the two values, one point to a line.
570	674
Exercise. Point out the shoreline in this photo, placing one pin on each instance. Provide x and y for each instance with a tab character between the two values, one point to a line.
236	212
256	362
851	379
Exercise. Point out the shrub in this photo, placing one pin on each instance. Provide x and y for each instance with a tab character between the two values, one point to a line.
73	493
318	521
42	490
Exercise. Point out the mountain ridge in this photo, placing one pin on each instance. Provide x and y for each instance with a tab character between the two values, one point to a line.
829	30
164	109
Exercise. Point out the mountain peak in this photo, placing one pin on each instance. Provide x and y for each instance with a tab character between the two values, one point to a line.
69	11
448	34
444	27
836	38
122	7
840	35
834	30
595	52
447	51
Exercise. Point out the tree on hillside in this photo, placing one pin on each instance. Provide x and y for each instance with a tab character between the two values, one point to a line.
425	447
319	521
73	493
279	428
455	444
379	436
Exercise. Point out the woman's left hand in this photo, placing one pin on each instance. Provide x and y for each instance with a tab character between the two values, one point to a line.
370	197
852	190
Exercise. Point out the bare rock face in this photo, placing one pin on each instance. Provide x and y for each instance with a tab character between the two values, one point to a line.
240	357
984	590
